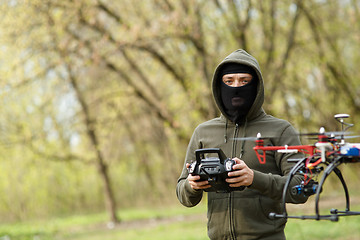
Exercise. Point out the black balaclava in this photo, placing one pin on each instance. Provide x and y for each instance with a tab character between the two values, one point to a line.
238	100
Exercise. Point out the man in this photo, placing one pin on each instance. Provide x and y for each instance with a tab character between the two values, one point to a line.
238	90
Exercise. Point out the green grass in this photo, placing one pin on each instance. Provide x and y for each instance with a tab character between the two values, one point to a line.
46	229
176	231
94	226
176	223
347	228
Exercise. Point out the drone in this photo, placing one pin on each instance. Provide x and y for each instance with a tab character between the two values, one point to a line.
325	156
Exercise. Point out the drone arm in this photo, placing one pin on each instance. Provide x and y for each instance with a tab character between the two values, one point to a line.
261	150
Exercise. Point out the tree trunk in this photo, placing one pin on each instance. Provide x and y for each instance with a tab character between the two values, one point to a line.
101	164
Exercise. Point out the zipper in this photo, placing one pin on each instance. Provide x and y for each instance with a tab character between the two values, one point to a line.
231	202
233	154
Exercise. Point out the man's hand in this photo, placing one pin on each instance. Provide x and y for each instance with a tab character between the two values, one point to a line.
242	176
193	180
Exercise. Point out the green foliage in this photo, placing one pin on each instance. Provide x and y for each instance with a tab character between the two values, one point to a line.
99	98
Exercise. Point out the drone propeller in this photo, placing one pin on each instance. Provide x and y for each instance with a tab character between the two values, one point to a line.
258	137
328	134
312	135
322	132
346	137
333	137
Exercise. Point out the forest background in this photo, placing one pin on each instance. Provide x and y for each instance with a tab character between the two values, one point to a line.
99	98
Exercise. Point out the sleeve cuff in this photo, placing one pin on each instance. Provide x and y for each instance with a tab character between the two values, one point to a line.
190	190
260	181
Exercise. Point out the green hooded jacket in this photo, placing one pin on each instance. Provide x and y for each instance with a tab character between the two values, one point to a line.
244	214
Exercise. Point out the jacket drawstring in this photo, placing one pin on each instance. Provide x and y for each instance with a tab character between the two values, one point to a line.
243	136
235	140
226	127
243	140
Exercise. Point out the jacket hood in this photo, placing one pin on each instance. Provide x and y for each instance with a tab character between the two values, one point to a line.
240	56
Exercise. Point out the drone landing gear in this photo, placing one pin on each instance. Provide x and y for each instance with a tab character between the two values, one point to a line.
332	167
334	213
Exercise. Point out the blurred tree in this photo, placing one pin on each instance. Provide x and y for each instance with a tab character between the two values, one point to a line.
122	84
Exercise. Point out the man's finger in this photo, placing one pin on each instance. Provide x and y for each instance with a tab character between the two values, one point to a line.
237	160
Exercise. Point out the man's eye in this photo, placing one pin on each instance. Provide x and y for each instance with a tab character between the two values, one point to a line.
246	81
